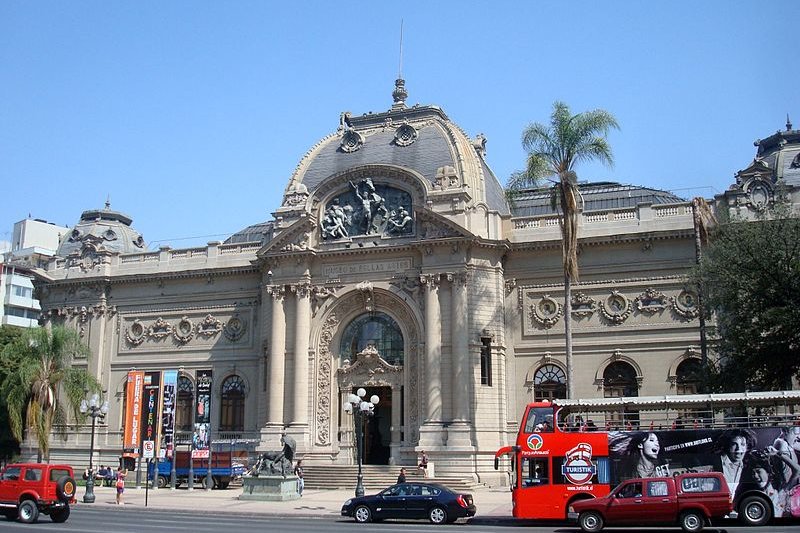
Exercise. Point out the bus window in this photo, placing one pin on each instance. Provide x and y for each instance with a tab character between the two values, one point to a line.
539	420
534	472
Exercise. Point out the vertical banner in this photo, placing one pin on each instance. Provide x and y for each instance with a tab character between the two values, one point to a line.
133	413
202	416
150	415
168	399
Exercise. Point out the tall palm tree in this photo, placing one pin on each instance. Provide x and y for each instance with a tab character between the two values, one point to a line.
41	385
553	152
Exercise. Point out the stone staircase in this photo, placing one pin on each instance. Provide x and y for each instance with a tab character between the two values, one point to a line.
376	477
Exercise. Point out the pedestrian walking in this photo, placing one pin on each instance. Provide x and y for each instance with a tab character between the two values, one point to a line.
298	471
121	484
402	477
423	463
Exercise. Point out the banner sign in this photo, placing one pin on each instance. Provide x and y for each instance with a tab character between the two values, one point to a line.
133	413
150	421
202	416
760	458
168	398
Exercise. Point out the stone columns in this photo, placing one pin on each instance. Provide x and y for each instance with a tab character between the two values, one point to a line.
277	353
302	322
431	430
458	433
397	424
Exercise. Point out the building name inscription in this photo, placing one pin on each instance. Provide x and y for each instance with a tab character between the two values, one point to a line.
397	265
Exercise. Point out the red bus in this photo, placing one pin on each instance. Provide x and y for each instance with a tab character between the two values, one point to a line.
570	450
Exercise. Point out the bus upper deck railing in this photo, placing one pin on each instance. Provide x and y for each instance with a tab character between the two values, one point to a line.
604	421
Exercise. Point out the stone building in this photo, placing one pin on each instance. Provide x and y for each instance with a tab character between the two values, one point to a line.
395	263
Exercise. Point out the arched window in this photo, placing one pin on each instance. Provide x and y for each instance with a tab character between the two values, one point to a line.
231	417
619	379
374	328
688	376
549	383
184	405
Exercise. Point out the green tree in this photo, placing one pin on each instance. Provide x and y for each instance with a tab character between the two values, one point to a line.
750	274
41	385
553	152
9	446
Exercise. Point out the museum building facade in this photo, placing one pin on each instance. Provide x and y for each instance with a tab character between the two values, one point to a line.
396	264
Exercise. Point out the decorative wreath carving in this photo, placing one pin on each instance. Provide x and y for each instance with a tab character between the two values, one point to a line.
617	308
352	141
685	305
135	335
184	331
209	327
651	301
159	329
583	304
405	135
546	312
235	328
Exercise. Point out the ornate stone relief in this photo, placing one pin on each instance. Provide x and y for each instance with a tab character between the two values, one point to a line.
511	284
685	305
370	369
583	304
299	243
159	329
405	135
297	194
431	230
616	308
759	194
209	327
365	288
184	331
319	295
546	312
407	284
136	334
324	358
446	178
235	328
352	141
367	209
651	301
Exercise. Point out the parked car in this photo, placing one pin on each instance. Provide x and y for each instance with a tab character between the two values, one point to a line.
438	504
690	500
30	489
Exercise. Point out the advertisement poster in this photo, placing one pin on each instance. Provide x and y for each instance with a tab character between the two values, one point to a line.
168	398
150	416
762	458
202	416
133	413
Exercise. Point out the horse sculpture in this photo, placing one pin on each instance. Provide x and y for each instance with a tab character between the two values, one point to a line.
276	462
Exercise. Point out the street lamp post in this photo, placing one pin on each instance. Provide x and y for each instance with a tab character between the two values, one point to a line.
93	408
360	409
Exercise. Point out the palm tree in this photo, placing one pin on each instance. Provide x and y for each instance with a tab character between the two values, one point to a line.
41	384
553	152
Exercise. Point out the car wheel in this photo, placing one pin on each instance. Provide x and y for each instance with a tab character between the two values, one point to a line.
65	489
60	515
590	522
754	511
162	482
362	514
437	515
28	512
692	521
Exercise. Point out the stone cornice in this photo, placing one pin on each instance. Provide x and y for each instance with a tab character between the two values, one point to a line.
616	238
149	277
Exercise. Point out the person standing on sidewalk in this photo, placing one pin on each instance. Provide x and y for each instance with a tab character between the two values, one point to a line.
298	471
121	484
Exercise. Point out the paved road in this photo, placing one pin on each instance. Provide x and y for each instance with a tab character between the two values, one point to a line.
87	519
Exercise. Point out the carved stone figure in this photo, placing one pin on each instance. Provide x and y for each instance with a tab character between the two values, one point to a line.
276	462
372	205
399	222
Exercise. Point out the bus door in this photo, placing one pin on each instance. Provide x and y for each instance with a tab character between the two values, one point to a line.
533	487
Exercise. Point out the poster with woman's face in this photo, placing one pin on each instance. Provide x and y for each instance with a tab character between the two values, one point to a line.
765	459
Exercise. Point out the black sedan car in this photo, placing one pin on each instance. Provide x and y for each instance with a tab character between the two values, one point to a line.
438	504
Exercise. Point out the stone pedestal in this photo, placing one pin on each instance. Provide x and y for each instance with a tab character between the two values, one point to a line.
270	488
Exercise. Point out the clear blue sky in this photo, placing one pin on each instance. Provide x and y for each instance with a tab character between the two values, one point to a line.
192	115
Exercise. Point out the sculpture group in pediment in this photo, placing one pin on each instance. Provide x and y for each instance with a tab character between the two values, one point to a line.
367	209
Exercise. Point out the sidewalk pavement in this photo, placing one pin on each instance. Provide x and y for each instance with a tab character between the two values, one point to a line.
493	503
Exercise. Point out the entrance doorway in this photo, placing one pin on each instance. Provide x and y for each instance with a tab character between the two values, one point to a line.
377	431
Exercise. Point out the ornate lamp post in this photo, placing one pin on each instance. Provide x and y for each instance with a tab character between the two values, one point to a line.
360	409
92	408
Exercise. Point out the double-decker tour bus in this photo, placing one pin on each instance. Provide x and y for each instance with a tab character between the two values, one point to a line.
567	450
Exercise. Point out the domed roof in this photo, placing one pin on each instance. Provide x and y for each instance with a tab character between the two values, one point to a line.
103	230
420	138
596	196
